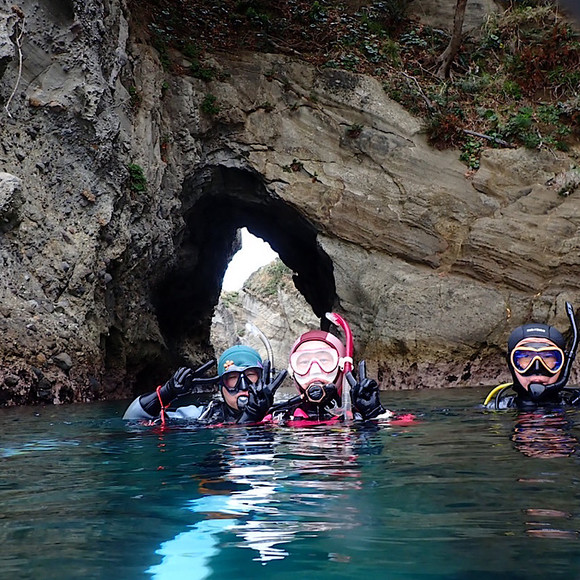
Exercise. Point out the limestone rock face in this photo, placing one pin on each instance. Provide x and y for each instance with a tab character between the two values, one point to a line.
10	200
270	304
126	187
7	48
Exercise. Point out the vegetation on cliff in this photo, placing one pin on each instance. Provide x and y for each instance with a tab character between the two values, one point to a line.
266	281
515	81
263	284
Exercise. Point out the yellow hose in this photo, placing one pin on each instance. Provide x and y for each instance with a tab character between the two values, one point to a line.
494	392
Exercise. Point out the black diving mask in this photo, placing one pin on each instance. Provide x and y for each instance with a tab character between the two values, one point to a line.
239	381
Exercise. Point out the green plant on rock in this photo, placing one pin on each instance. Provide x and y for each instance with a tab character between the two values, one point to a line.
270	279
134	97
191	51
276	273
471	153
160	45
230	298
201	72
137	179
354	131
209	106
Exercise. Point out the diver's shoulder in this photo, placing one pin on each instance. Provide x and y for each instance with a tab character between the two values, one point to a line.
570	395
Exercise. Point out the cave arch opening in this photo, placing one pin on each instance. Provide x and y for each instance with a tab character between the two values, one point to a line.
216	202
254	253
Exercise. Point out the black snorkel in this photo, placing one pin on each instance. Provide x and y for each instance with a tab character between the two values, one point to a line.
538	392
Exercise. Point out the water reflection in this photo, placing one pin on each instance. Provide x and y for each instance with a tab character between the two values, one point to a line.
263	490
449	497
544	434
541	434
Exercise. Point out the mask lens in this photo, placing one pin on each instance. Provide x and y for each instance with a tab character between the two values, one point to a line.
301	361
234	382
230	380
253	375
551	358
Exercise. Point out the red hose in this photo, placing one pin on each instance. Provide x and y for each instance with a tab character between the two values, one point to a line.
338	320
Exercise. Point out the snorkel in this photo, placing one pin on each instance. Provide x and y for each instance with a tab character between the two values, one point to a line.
539	392
253	329
338	320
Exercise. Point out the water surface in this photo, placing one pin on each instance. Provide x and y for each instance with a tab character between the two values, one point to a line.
462	493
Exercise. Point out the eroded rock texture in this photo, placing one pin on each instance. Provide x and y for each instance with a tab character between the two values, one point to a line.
107	284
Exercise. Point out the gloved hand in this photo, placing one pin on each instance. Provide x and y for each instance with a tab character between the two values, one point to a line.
185	380
365	393
261	395
178	384
182	382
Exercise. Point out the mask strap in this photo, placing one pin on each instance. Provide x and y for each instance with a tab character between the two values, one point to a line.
343	361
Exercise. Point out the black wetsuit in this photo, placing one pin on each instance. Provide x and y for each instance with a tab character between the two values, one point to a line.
214	413
507	398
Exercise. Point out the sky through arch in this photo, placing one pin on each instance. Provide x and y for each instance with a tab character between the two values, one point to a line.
254	254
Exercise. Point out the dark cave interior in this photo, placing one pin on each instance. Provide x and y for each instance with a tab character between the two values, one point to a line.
217	202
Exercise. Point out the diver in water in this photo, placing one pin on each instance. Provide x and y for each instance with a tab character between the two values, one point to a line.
317	361
539	361
246	386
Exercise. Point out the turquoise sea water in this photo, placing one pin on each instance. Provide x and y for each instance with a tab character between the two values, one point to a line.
460	494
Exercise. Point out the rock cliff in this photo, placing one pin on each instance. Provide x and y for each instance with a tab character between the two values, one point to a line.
123	187
269	302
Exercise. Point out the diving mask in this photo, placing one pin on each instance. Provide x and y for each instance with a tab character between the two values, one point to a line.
237	381
326	359
551	358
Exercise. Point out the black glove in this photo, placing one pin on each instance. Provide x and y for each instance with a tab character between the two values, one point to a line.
365	393
181	383
261	395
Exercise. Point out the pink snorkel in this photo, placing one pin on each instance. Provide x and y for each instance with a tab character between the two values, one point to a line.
338	320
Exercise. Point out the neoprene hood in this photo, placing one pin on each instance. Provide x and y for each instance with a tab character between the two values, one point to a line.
238	358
